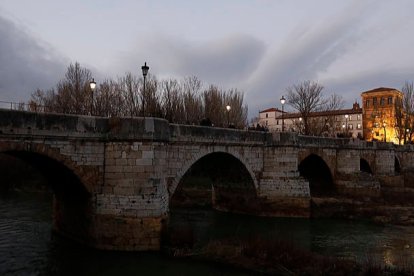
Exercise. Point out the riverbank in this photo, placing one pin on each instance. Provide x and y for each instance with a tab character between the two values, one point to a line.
261	256
378	211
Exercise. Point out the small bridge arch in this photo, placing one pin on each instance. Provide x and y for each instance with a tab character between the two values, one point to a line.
317	172
397	165
364	166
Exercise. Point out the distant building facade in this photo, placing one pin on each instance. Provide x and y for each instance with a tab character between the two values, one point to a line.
333	123
379	114
267	119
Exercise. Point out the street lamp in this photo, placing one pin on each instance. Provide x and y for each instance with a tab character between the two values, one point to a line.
282	101
92	86
144	69
384	125
346	124
228	107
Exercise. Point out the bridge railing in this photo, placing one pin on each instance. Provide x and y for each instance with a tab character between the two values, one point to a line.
33	107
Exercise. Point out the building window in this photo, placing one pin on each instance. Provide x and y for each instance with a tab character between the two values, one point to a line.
367	103
267	115
382	101
266	122
358	126
358	117
350	126
374	101
277	122
389	100
350	117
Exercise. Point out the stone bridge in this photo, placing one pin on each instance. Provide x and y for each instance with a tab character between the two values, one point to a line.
113	178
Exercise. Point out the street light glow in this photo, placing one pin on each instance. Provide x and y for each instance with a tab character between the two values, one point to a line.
92	84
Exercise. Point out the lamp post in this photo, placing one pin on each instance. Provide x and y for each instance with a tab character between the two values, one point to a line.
346	124
92	86
144	69
384	125
228	107
282	101
407	131
300	125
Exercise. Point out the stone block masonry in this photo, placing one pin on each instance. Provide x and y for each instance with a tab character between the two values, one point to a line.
130	168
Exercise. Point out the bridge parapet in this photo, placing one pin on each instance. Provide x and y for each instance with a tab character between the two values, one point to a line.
26	123
203	134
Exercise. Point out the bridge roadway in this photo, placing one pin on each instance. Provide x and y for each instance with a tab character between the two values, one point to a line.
113	178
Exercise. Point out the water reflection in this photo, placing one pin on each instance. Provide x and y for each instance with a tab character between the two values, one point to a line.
27	245
358	240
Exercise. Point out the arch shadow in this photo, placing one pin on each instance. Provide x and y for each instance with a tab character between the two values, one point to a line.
71	199
397	165
364	166
316	171
217	179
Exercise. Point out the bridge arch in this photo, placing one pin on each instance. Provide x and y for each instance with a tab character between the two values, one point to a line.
173	183
317	172
72	201
397	165
364	166
29	152
221	179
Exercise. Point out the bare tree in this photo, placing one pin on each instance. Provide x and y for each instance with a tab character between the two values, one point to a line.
193	104
306	97
405	113
128	87
178	102
72	95
172	101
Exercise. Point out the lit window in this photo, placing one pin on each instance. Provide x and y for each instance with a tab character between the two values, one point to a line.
350	126
350	117
358	126
358	117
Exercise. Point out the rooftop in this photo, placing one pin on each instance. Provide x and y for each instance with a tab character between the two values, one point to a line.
272	109
380	89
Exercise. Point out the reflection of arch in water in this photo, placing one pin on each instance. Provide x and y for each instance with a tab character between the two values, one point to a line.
71	206
364	166
317	172
222	178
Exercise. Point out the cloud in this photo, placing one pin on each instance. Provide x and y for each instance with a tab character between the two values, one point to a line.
25	63
223	61
307	52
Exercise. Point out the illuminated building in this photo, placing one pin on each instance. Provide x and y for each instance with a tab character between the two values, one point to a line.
379	114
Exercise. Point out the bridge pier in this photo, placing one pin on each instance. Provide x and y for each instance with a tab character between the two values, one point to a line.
282	191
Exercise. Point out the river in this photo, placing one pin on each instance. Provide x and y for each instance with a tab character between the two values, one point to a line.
28	246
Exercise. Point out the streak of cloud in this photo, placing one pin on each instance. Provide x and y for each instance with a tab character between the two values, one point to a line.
223	62
25	63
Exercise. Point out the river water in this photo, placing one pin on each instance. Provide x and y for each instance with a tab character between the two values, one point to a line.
28	247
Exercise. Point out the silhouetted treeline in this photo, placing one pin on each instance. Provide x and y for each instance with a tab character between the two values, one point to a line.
184	101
